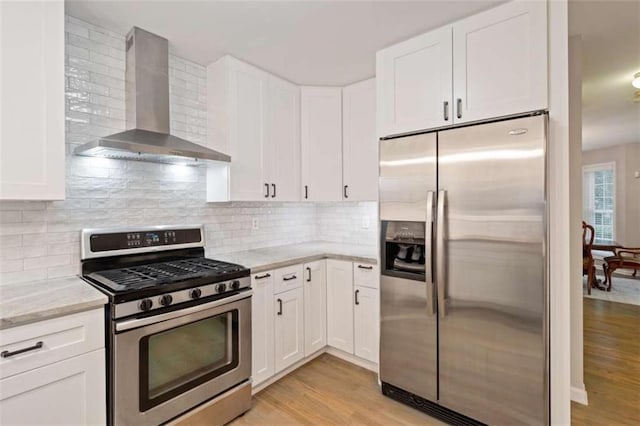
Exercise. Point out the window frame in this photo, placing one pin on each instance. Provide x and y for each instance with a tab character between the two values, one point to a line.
598	167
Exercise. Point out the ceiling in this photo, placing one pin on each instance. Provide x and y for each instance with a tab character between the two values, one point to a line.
610	32
306	42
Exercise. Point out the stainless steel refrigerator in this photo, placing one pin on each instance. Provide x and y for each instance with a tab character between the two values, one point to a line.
464	272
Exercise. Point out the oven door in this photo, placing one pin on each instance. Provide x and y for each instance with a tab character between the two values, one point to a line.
169	363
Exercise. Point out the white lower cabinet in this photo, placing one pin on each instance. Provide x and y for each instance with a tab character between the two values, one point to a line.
69	392
262	327
53	371
315	307
365	323
289	328
298	310
340	304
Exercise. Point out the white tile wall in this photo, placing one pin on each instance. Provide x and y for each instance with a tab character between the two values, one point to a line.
41	239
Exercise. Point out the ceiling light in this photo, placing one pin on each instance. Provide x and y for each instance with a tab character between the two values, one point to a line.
636	80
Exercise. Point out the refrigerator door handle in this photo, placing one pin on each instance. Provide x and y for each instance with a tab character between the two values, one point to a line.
428	250
441	279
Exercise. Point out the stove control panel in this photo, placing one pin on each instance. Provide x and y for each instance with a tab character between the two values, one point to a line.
165	300
116	241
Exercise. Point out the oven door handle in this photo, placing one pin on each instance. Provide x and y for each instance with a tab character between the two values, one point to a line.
140	322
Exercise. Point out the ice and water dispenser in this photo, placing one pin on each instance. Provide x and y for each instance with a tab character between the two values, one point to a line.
403	249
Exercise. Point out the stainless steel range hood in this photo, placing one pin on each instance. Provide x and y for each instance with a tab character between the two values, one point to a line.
147	111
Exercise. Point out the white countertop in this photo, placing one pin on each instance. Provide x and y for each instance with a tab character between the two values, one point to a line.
280	256
28	302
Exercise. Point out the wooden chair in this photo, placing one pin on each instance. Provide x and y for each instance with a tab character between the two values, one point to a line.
623	258
588	264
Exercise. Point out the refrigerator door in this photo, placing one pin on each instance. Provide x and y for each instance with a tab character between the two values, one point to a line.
408	331
407	173
491	278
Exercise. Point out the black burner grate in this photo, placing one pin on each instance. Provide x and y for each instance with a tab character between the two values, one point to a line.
166	272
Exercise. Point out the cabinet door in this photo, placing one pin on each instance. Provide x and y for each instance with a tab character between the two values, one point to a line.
282	140
359	142
315	307
289	328
32	139
500	61
262	327
246	119
69	392
321	139
340	305
366	323
414	83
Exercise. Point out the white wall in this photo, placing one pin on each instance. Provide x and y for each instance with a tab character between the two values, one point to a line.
41	239
627	160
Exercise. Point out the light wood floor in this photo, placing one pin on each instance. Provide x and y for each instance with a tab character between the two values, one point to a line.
611	364
329	391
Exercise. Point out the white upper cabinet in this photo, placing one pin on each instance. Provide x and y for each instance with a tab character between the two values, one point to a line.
32	139
414	83
359	142
489	65
321	140
500	61
281	146
254	117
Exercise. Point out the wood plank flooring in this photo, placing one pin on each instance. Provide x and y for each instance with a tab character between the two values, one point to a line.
329	391
611	364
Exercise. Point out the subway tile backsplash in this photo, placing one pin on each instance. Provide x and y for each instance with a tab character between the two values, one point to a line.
40	239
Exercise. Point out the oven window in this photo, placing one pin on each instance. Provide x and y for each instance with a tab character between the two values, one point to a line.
176	360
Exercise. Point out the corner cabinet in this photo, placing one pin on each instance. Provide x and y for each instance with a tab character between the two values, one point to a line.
321	143
340	303
32	122
359	142
489	65
254	117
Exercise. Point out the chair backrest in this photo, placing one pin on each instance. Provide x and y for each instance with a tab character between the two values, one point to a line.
588	234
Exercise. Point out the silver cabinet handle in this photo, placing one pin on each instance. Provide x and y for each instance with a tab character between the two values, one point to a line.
266	185
309	277
279	306
7	354
274	190
428	253
446	110
441	279
357	302
459	107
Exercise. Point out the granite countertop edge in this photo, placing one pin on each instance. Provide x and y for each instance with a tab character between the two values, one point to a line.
30	302
311	258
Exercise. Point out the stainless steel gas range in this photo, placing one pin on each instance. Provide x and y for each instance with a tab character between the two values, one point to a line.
178	324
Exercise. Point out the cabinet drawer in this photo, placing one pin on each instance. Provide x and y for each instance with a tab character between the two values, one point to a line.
287	278
53	340
366	275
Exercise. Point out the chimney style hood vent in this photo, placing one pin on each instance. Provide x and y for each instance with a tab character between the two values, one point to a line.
147	111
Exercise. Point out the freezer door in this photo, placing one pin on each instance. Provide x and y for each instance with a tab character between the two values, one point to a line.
407	173
408	331
491	280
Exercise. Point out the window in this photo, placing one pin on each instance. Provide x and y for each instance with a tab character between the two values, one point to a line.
599	199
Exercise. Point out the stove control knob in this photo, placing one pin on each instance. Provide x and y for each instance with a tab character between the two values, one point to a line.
235	284
166	300
195	293
145	304
221	288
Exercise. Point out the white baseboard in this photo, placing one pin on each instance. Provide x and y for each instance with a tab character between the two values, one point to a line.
332	351
372	366
579	395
